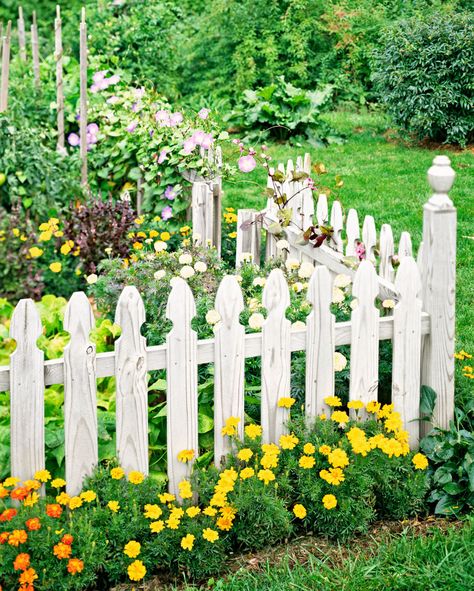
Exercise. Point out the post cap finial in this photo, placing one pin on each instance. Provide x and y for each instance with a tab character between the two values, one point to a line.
441	179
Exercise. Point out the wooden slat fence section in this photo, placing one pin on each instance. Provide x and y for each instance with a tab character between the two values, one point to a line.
320	343
26	393
386	252
352	232
369	237
131	383
322	210
276	356
407	348
364	367
229	363
337	224
182	395
80	394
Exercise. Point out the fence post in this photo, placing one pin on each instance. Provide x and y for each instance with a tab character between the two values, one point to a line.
248	237
35	50
202	210
438	290
5	68
58	54
21	34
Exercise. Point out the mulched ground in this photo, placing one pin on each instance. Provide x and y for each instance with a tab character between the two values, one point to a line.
299	550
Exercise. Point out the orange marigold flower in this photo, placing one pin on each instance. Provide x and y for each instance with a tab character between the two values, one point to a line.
22	561
33	524
20	493
75	565
28	577
3	492
67	539
4	537
54	510
17	537
62	551
8	515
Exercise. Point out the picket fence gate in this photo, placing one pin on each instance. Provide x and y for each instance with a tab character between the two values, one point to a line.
421	329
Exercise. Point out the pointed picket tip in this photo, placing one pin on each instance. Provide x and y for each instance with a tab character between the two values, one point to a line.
320	280
307	163
25	324
407	281
229	300
281	167
322	209
299	164
78	314
366	285
276	295
405	248
180	300
290	167
129	302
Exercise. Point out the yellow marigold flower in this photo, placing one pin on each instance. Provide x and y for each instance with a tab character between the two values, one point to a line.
420	461
225	522
132	549
67	247
325	450
193	511
58	483
270	448
332	476
31	499
339	416
42	475
394	422
117	473
137	245
88	496
185	230
139	221
63	498
309	448
329	502
16	232
177	512
32	484
136	477
299	511
55	267
210	511
45	236
152	511
355	404
373	406
165	236
253	431
186	455
266	476
245	454
187	542
269	460
286	402
11	481
232	235
157	526
385	411
75	503
185	491
136	571
113	506
210	535
228	430
288	441
322	416
166	497
307	462
338	458
333	401
173	523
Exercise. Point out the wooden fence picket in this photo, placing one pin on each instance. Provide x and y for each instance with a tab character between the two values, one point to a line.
203	214
322	210
229	364
369	237
407	348
182	394
337	225
6	41
364	363
320	343
80	394
248	239
131	383
276	356
352	232
405	248
386	252
26	392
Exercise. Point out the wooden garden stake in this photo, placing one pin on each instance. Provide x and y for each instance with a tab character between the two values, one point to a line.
59	79
35	50
83	97
21	34
5	68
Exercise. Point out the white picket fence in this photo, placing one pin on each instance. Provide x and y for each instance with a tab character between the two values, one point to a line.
421	330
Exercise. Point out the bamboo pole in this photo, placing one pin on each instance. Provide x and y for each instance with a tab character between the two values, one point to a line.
21	34
35	50
5	68
59	79
1	37
83	97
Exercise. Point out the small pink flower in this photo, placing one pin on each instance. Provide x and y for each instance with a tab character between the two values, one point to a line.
73	139
99	76
133	125
360	251
207	141
247	163
204	114
162	156
188	146
166	213
198	137
176	119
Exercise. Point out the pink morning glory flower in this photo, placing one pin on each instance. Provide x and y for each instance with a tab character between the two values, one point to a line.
198	137
170	193
115	79
93	128
204	114
73	139
188	146
166	213
99	76
176	119
133	125
207	141
162	156
113	100
247	163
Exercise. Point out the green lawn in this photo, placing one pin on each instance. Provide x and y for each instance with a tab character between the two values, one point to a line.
440	560
387	179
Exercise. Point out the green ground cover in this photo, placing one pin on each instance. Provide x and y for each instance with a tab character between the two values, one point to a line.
386	178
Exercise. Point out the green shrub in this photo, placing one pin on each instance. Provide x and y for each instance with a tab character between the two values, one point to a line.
424	74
